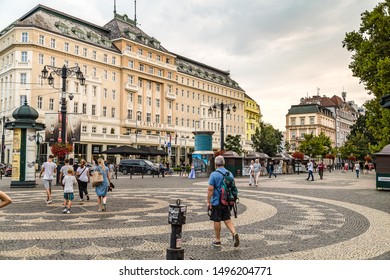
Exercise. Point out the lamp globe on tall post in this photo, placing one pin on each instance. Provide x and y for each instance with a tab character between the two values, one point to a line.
222	106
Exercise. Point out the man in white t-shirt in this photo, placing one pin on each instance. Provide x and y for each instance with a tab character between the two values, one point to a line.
48	170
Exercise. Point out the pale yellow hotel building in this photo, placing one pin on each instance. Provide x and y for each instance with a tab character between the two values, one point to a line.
137	92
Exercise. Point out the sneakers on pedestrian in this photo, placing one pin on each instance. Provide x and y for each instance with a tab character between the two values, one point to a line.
236	240
81	200
104	207
49	201
65	210
68	212
87	197
216	244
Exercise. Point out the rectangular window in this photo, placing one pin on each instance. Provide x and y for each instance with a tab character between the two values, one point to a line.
94	71
41	40
66	46
139	99
130	64
40	59
105	93
148	117
23	78
292	121
112	112
158	103
113	60
76	107
302	121
84	128
53	43
104	130
93	112
149	101
157	118
130	79
169	119
113	76
76	49
311	120
94	129
105	58
24	37
52	61
40	101
141	67
105	74
104	111
84	108
130	114
94	90
94	54
85	52
151	70
51	104
113	94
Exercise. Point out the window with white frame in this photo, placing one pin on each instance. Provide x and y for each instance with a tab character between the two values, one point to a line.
66	46
113	76
40	102
23	78
25	37
149	101
157	103
104	130
94	54
113	94
53	43
130	79
94	129
113	61
40	59
76	107
112	112
93	111
84	128
105	93
139	99
141	67
85	52
148	117
105	74
104	111
94	91
130	97
52	61
169	119
84	108
130	64
158	87
129	114
51	104
157	118
94	71
41	40
105	58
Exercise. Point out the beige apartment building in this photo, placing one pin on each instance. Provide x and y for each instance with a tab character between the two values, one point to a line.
137	92
306	119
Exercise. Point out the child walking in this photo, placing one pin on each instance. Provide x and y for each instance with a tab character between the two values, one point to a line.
69	182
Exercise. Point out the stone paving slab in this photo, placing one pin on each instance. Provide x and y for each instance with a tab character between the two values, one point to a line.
340	217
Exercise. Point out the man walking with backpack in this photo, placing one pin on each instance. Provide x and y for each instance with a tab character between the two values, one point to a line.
219	212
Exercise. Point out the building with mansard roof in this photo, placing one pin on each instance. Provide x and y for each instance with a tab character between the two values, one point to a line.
137	92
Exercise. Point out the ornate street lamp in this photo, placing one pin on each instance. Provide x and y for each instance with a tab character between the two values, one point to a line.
64	72
222	106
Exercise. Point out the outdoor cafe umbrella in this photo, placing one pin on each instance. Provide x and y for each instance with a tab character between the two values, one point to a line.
124	150
151	151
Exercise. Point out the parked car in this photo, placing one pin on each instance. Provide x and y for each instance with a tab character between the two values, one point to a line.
8	171
137	166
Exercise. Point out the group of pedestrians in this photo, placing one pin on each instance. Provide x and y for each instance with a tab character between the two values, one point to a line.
69	178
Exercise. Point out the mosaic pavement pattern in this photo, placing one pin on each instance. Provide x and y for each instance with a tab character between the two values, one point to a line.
272	225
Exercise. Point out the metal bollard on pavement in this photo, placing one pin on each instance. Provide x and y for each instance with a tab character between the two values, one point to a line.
177	218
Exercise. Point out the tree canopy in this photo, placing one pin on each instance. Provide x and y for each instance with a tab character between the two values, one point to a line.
370	46
315	145
233	143
267	139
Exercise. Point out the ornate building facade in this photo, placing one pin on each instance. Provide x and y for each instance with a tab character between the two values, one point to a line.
137	92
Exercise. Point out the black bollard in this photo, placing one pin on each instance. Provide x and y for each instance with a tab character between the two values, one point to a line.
177	218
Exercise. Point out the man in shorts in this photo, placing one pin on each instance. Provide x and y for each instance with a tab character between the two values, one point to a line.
48	170
219	212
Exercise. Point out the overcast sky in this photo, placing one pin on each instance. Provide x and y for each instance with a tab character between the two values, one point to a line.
278	51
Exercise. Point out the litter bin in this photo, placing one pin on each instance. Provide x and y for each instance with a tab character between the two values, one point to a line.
383	168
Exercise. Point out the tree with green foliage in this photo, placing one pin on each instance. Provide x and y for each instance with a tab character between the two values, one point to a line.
233	143
315	145
371	63
267	139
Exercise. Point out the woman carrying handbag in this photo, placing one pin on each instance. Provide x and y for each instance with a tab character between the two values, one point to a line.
102	188
82	175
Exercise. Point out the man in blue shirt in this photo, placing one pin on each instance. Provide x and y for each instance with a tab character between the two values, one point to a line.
219	212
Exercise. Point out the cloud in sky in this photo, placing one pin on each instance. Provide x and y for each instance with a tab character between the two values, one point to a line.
278	51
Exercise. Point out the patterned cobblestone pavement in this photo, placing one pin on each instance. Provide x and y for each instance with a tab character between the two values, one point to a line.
287	217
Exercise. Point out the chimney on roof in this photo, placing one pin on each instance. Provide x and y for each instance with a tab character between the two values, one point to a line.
114	8
135	12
